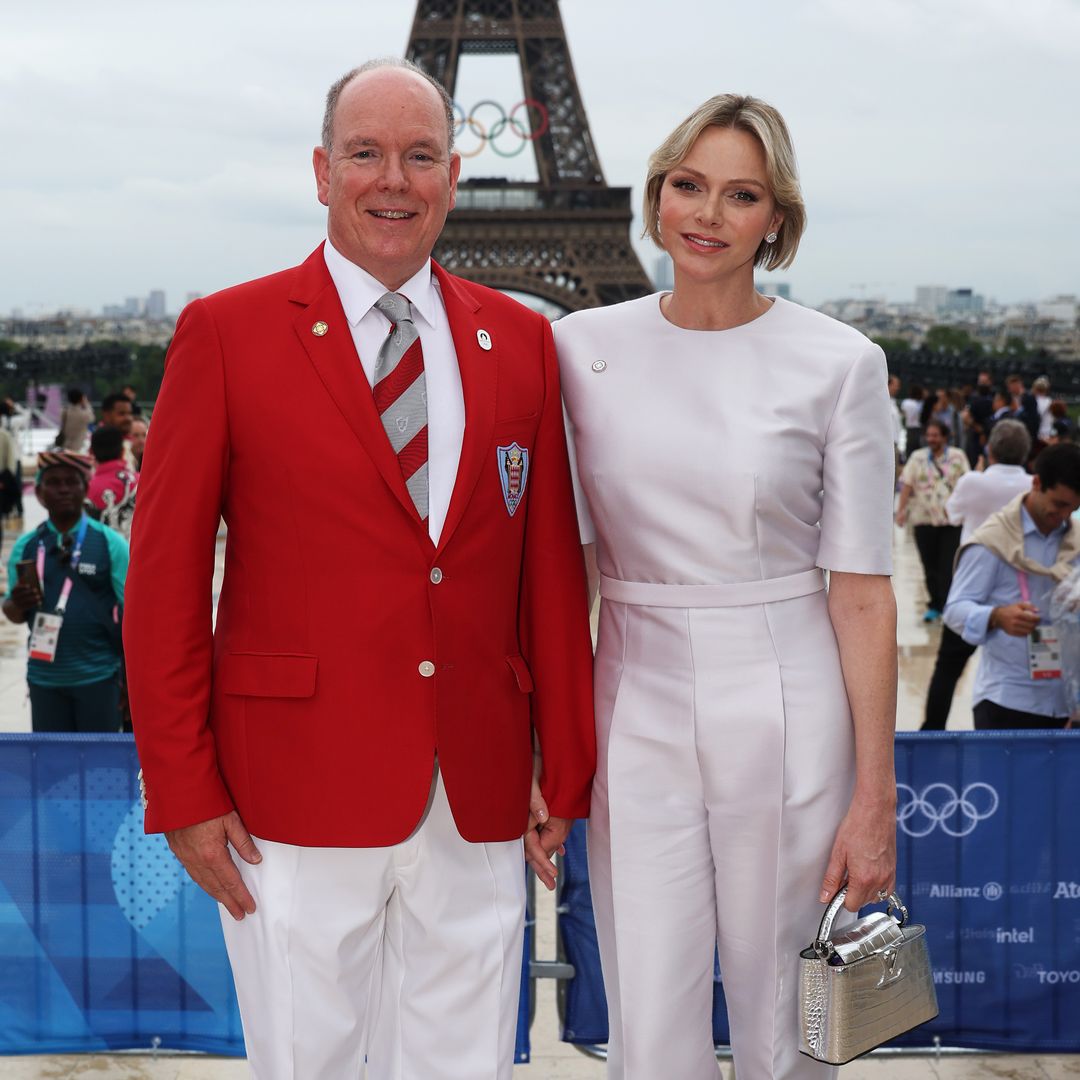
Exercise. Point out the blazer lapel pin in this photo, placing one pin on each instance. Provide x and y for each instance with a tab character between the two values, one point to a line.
319	329
483	338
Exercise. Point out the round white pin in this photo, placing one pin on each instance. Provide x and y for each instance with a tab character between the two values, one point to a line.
483	338
599	365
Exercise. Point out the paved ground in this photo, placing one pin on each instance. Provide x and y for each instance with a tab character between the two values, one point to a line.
552	1059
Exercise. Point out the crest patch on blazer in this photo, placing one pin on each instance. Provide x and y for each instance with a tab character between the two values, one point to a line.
513	474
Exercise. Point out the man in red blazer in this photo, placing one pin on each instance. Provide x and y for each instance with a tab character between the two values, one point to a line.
403	611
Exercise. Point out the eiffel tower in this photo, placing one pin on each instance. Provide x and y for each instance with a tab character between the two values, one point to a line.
565	237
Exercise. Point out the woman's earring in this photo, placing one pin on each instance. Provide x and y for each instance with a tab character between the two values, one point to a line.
771	238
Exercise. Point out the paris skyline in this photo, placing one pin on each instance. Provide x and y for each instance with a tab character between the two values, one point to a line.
173	151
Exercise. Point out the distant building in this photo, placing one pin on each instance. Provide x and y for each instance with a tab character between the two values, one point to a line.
192	297
155	304
964	302
775	288
133	307
663	273
931	299
1059	309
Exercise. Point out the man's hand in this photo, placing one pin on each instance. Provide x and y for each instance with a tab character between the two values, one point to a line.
544	836
25	597
204	851
1015	619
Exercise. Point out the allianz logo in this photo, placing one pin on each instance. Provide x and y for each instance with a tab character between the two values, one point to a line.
941	806
1067	890
992	890
959	978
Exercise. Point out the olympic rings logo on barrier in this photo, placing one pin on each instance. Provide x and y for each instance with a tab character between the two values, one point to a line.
918	814
526	126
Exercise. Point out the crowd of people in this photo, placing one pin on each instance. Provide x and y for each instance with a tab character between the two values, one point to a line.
68	574
990	480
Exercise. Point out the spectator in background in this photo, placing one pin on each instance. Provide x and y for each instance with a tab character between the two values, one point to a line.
139	428
1003	409
11	492
73	685
1062	428
129	392
1000	598
75	420
911	408
1024	406
929	478
897	423
1040	389
977	496
112	485
116	412
980	409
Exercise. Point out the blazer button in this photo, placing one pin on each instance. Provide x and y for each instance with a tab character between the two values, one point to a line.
435	575
427	669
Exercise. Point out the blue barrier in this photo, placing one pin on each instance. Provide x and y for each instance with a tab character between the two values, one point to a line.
989	860
105	943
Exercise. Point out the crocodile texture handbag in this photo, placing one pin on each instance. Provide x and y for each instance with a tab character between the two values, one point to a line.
868	984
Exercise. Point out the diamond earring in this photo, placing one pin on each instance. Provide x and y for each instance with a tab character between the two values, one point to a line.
771	238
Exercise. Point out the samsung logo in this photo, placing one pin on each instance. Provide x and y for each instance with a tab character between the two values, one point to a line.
959	978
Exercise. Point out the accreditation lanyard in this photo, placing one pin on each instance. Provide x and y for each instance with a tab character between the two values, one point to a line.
76	555
1044	643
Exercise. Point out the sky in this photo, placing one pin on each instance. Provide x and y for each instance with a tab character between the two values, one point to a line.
169	146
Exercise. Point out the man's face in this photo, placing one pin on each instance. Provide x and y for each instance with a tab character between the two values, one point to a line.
984	380
934	439
894	386
138	436
119	416
1052	507
62	491
389	180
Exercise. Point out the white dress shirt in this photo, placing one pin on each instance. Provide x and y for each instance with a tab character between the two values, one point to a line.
359	292
978	495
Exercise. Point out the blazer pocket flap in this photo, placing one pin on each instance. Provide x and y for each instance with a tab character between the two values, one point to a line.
521	673
268	674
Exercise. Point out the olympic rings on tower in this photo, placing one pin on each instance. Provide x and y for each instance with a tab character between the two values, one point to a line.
527	127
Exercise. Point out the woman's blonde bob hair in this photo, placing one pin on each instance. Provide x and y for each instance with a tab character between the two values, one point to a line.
761	120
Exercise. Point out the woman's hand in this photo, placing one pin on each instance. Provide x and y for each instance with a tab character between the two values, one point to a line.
863	853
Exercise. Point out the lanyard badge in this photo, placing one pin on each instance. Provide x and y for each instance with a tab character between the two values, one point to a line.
1043	643
45	636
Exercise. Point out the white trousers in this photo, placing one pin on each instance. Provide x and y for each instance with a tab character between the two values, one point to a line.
725	765
408	955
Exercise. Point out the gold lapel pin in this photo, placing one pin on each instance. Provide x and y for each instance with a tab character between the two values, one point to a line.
484	340
319	329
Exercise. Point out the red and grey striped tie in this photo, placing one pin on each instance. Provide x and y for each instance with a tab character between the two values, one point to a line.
401	396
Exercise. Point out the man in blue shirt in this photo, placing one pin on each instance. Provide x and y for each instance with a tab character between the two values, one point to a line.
1000	598
74	568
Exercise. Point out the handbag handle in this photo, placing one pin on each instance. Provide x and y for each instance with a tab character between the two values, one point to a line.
822	943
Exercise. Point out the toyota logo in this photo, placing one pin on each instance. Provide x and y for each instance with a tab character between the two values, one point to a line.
919	813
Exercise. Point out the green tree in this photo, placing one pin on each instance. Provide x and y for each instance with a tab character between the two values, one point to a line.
950	339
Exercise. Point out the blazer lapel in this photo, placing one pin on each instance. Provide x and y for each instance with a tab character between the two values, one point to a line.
479	383
324	332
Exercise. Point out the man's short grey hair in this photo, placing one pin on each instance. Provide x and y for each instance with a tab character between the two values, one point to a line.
334	93
1009	442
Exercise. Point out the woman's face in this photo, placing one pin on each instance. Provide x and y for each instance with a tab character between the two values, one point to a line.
716	206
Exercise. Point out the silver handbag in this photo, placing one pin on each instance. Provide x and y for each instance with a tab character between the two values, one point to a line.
868	984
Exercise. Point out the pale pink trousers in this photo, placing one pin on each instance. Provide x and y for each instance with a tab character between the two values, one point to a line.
725	765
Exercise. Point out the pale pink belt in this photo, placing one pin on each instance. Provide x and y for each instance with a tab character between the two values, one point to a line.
740	594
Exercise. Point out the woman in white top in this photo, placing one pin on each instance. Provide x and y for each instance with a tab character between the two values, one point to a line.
730	449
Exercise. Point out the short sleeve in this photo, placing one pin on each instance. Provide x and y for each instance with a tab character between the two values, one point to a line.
585	522
858	478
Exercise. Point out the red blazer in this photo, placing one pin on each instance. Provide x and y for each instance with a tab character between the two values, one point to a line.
305	708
